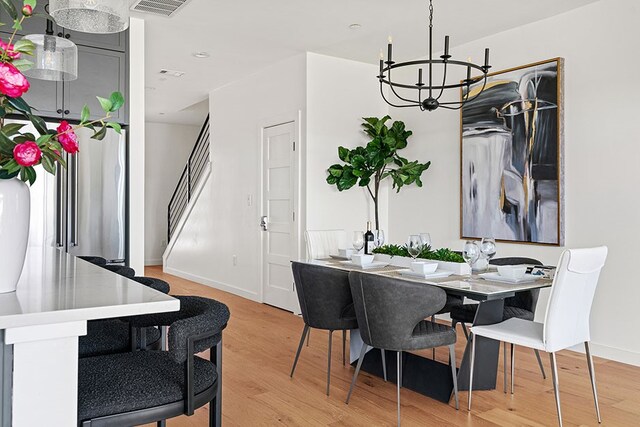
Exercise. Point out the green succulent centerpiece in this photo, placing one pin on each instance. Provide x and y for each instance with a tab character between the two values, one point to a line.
442	254
369	165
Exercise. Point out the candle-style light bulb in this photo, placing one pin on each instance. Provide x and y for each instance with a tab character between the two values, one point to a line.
419	76
486	58
446	45
390	39
389	50
381	55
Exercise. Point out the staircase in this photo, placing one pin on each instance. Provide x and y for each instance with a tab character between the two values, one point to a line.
196	167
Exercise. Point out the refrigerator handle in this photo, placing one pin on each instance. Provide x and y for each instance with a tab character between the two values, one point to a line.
59	216
74	209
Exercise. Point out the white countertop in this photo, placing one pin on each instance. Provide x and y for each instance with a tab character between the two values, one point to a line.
56	287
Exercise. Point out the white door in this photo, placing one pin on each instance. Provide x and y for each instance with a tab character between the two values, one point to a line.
280	237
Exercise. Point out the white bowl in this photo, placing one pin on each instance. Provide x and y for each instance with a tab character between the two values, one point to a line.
512	271
346	253
424	267
361	259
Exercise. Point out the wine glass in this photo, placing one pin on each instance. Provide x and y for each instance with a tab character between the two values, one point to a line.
358	240
414	246
378	238
426	239
488	248
470	252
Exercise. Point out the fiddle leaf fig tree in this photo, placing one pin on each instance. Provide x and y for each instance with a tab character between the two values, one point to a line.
368	166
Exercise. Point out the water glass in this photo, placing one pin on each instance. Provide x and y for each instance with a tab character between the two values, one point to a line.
358	240
470	252
426	239
378	238
414	245
488	247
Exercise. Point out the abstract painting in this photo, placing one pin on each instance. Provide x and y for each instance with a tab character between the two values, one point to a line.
511	156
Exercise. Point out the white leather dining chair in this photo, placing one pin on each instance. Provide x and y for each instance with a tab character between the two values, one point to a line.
322	243
566	322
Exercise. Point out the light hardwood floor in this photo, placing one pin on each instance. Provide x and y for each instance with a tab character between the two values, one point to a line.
260	344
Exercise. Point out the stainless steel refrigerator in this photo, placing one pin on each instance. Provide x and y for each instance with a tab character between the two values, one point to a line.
83	208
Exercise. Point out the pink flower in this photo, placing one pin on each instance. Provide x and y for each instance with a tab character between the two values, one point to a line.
27	154
67	137
27	10
12	82
11	54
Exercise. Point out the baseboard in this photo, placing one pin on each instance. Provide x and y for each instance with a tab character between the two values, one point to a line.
611	353
152	262
253	296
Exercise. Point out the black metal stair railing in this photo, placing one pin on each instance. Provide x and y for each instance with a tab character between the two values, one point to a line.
191	174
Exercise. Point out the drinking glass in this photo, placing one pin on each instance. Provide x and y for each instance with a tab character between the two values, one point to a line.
426	239
470	252
358	240
378	238
414	246
488	247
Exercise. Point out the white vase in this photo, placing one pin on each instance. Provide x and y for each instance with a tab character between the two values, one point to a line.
15	209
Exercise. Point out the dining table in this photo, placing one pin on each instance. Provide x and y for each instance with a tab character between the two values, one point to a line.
423	374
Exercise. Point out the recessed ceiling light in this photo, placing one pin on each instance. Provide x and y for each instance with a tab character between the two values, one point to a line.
201	55
162	114
355	26
172	73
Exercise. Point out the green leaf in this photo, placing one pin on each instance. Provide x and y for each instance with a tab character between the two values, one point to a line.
48	165
24	46
22	64
100	134
31	3
39	124
10	8
85	114
12	128
343	154
117	101
335	170
6	144
105	104
6	175
43	139
31	174
19	104
115	126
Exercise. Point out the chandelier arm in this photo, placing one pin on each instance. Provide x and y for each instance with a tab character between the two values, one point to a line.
444	81
391	84
443	104
395	105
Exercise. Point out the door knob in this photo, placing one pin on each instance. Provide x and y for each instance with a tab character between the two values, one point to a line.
66	111
59	111
67	36
60	34
263	222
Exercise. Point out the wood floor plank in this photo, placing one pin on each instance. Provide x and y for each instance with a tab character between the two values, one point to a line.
260	344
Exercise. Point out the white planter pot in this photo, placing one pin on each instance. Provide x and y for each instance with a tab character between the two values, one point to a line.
460	268
15	205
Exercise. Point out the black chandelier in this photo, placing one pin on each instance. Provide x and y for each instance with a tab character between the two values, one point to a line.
434	92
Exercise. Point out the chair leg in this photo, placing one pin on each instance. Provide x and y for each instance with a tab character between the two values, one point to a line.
556	389
218	398
504	357
592	375
305	331
363	351
399	377
473	359
544	376
329	362
454	374
401	371
433	350
344	347
308	338
384	364
513	366
464	329
162	423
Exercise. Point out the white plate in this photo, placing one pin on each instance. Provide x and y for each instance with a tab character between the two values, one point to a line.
498	278
339	257
435	275
374	264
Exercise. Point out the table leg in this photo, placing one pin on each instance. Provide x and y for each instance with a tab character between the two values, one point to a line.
487	350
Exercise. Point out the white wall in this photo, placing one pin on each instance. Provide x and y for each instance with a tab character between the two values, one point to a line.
167	149
223	224
136	144
339	94
598	42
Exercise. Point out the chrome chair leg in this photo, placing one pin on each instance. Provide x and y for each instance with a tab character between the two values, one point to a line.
384	364
513	366
363	351
504	360
544	376
305	331
452	356
556	387
329	362
308	338
399	380
433	350
473	359
344	347
592	375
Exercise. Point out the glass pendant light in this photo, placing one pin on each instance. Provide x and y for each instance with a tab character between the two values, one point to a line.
91	16
55	58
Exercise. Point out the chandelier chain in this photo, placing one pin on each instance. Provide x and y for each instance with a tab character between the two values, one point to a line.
430	14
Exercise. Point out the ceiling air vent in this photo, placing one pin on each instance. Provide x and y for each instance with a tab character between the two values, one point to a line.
159	7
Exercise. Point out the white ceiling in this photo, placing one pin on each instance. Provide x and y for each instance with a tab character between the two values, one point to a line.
243	36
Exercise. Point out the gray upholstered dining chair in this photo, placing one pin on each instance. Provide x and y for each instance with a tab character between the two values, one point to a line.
520	306
150	386
391	314
127	272
326	303
96	260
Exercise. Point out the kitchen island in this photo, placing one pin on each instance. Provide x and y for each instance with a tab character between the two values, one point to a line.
39	328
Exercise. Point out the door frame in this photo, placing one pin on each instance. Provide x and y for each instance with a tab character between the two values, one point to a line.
300	217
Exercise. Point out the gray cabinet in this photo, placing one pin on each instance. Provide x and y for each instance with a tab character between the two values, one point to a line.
100	72
116	41
45	98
